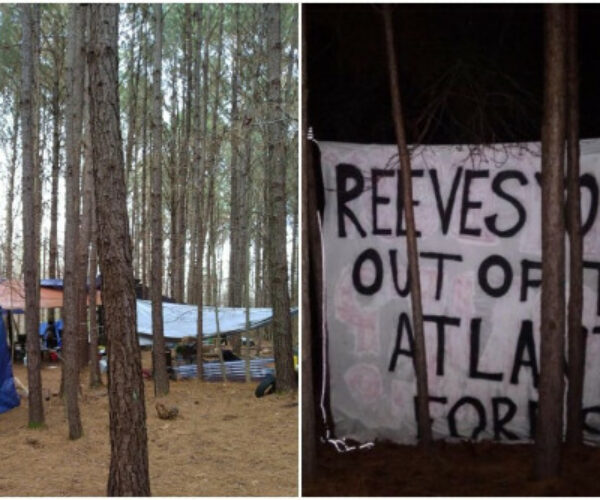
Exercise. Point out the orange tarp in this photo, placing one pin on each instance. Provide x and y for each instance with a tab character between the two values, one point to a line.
12	296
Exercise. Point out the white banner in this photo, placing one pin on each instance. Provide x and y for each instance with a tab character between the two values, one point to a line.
477	211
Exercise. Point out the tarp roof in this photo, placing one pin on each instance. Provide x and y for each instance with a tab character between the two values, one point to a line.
12	296
180	320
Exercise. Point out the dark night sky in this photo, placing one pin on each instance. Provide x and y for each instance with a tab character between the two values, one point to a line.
475	71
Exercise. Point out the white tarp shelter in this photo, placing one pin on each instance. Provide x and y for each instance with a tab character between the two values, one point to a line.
180	320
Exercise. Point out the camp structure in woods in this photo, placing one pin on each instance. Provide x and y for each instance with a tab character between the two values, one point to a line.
451	250
149	248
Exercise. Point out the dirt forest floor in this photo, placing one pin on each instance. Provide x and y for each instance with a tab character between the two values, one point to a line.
225	442
463	469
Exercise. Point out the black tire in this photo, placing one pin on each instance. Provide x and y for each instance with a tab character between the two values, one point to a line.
267	386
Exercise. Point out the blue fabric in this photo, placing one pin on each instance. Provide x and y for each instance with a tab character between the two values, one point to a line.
8	394
51	283
58	329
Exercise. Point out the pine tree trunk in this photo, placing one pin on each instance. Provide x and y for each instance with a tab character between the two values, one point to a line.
184	163
132	143
133	97
173	178
73	123
10	196
37	159
142	234
30	17
200	163
236	259
258	277
213	165
128	474
85	231
276	245
159	365
551	384
420	360
95	378
56	119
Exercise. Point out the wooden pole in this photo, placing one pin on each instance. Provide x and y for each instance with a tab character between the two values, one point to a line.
576	338
549	431
420	361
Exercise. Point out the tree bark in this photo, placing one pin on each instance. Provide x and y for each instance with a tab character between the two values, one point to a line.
143	233
161	379
86	227
10	197
37	159
420	359
280	299
128	474
576	364
90	214
29	18
213	165
551	385
236	256
133	97
71	318
200	156
181	172
95	378
173	178
56	120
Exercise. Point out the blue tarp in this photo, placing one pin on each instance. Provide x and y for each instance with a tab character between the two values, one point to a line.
58	330
8	394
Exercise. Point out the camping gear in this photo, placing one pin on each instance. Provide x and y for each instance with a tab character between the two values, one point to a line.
8	394
267	385
235	370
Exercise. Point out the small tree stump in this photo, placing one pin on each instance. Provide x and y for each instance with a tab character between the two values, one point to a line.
165	413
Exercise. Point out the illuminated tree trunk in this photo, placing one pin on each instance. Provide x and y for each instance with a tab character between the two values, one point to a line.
551	386
576	362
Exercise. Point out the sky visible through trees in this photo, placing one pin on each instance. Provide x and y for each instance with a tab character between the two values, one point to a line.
236	137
